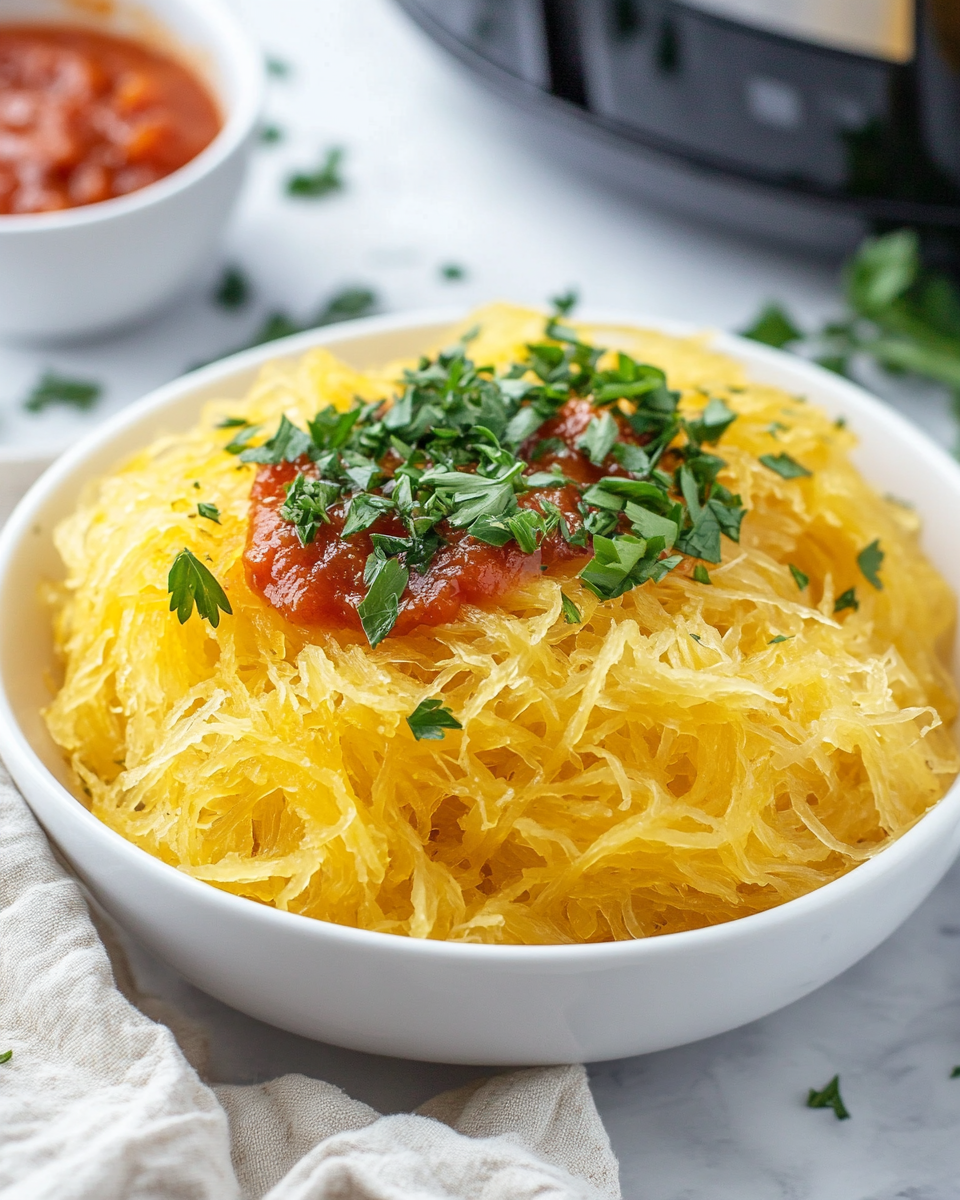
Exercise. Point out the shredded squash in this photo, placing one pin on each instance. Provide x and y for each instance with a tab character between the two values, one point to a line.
687	755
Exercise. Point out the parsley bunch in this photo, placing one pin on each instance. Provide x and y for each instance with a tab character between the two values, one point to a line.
900	315
446	454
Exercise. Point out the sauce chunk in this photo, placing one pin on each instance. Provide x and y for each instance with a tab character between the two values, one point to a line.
86	117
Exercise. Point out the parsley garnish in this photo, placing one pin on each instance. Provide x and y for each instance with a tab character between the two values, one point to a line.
210	511
955	1073
781	637
233	290
701	574
785	466
270	134
799	578
773	327
323	181
453	273
306	506
6	1056
232	423
287	445
386	581
59	389
566	302
696	637
277	67
847	599
869	560
238	442
829	1097
189	583
429	719
571	614
598	439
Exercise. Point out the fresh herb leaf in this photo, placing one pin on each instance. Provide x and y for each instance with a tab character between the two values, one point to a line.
277	67
453	272
365	508
306	504
270	134
346	305
697	638
288	444
701	574
869	560
322	181
232	423
571	614
59	389
191	583
781	637
712	423
6	1056
210	511
233	290
566	302
955	1073
847	599
623	563
238	442
785	466
378	611
829	1097
799	578
429	719
773	327
599	437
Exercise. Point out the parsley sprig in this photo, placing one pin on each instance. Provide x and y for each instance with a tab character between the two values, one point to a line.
191	583
429	719
829	1097
446	454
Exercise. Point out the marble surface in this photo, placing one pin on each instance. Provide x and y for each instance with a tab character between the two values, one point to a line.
438	172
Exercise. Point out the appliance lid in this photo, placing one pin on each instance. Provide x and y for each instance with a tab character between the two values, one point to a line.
878	28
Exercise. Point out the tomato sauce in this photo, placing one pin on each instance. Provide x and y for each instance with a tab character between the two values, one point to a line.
85	117
322	584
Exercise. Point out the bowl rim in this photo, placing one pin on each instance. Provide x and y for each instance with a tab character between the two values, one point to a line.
15	747
224	30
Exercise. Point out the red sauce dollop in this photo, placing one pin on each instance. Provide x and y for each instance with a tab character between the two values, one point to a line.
321	584
85	117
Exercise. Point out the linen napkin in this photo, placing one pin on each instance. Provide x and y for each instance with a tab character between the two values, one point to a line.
99	1102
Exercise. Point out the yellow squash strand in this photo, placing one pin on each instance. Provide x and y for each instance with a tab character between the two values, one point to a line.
664	765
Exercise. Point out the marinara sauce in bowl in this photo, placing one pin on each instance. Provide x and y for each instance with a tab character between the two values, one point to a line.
124	134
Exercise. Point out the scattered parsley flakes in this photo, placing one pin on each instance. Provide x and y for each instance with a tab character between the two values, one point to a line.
232	423
270	134
277	67
238	443
840	423
191	583
210	511
784	466
429	719
955	1073
598	439
781	637
773	327
799	578
52	388
386	581
233	290
696	637
287	445
324	180
571	614
869	560
453	273
829	1097
6	1056
701	574
306	506
566	302
847	599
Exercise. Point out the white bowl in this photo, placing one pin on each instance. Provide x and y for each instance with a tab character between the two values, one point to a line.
444	1001
86	270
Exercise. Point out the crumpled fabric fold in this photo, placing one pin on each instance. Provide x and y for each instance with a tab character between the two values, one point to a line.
98	1102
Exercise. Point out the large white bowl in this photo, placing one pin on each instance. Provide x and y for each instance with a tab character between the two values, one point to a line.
84	270
439	1000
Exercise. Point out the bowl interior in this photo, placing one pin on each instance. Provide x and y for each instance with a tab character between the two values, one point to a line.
893	455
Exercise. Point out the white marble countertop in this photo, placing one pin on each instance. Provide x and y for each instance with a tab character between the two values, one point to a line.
438	172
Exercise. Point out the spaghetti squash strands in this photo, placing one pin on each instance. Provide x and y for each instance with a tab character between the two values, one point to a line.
684	755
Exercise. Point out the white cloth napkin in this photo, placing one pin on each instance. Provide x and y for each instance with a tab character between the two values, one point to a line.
98	1102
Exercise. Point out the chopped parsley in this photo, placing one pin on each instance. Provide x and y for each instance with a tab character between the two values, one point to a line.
571	614
955	1073
233	290
210	511
324	180
869	560
429	719
270	134
799	578
232	423
773	327
277	67
696	637
829	1097
781	637
453	273
191	583
52	388
847	599
238	443
6	1056
444	456
785	466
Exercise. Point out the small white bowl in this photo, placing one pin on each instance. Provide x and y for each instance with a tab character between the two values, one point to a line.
87	270
445	1001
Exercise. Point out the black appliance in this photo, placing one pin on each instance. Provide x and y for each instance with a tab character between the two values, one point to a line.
809	121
